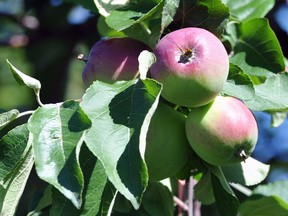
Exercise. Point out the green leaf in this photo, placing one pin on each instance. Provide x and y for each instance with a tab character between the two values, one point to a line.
238	84
105	31
158	200
204	190
24	79
273	189
57	131
105	7
13	189
121	113
7	117
12	146
230	36
257	50
264	206
168	12
273	196
121	20
222	191
278	118
43	201
271	95
286	64
250	172
208	14
146	22
95	198
2	196
249	9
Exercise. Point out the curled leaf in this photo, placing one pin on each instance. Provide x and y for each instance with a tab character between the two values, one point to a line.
24	79
7	117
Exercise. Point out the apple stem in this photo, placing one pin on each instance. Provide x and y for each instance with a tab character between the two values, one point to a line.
82	57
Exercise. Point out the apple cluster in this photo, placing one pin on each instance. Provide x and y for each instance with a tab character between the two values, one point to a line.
192	65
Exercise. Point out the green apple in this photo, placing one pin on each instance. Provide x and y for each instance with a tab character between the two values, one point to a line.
167	148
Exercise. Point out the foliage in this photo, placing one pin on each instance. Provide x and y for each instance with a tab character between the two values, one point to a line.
90	151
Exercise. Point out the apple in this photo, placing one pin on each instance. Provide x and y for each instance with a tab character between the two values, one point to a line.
192	64
113	59
222	132
167	148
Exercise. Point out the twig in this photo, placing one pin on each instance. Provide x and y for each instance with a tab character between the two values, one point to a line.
180	203
190	196
181	195
197	208
246	191
29	112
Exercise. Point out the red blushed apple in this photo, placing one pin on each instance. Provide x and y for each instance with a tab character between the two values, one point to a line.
192	64
113	59
223	131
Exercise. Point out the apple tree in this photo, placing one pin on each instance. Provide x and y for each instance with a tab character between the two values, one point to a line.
165	125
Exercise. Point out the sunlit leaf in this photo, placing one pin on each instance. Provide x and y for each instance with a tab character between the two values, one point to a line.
94	196
238	84
146	21
278	118
7	117
121	113
257	51
57	132
145	59
12	190
12	146
106	6
271	95
273	189
264	206
267	200
250	172
24	79
249	9
208	14
105	31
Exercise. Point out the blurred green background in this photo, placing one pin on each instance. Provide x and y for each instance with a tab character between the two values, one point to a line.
43	39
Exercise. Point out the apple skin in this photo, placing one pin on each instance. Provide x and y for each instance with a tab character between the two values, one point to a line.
222	132
192	64
113	59
167	148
